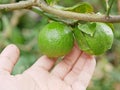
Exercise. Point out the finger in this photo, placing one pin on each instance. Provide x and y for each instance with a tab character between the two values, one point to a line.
78	68
85	75
44	63
72	75
65	66
40	69
8	58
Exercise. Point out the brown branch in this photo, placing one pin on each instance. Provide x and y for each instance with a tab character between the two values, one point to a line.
79	16
61	13
16	6
118	1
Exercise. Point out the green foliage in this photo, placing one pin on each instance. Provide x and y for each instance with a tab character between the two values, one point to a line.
81	8
27	21
88	28
94	36
16	36
25	61
51	2
4	1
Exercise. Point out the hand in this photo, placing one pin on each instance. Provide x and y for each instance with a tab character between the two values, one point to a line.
72	73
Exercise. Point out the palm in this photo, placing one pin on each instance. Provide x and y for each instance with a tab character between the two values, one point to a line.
73	73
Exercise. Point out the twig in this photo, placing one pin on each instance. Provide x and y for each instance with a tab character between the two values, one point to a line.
16	6
52	17
118	1
79	16
109	8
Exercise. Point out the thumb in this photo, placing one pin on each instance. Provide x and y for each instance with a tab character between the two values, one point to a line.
8	58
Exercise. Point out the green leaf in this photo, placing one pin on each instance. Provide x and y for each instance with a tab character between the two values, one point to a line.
48	1
53	17
88	28
81	8
81	39
51	2
25	61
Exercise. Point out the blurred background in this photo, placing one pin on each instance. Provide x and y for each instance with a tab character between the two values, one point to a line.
21	27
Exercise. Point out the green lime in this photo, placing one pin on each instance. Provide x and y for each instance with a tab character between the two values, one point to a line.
55	39
94	38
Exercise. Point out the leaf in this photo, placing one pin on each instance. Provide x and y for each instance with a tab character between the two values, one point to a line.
48	1
81	39
51	2
81	8
25	61
88	28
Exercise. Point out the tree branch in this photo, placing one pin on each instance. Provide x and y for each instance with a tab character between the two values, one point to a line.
61	13
79	16
118	1
16	6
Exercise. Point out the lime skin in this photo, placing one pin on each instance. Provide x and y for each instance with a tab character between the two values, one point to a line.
55	39
97	44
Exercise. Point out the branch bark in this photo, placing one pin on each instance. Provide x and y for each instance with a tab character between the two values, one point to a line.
61	13
16	6
79	16
118	1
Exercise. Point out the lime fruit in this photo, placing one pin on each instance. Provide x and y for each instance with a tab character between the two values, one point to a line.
94	38
55	39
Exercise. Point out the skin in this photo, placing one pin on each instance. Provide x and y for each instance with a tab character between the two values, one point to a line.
72	73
